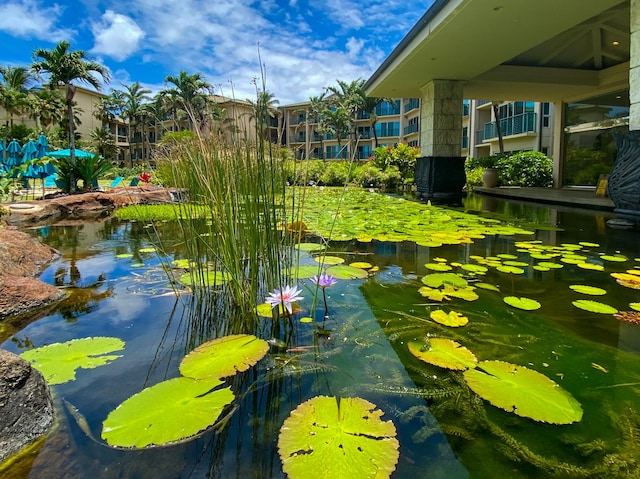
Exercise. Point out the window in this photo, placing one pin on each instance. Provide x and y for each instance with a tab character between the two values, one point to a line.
546	116
391	128
386	108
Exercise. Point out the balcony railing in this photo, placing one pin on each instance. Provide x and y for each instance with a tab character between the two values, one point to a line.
411	105
412	128
514	125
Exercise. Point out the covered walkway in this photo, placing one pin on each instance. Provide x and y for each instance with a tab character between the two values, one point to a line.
577	197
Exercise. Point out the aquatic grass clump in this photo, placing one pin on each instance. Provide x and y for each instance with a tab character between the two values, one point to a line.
241	186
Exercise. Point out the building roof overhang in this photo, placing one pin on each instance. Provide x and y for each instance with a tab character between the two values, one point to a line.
542	50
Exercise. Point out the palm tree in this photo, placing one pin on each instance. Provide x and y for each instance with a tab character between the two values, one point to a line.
47	108
103	142
263	109
14	85
134	97
63	67
350	98
190	92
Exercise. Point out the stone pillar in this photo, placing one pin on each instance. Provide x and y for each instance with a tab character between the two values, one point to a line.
634	67
440	170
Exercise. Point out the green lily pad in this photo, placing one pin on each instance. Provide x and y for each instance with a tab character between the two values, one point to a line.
124	255
590	266
147	250
209	278
451	318
305	271
438	267
347	272
342	438
444	353
591	290
522	303
524	392
310	247
540	268
167	412
594	306
437	280
58	362
488	286
182	263
329	259
361	265
549	265
616	258
475	268
224	356
510	269
265	310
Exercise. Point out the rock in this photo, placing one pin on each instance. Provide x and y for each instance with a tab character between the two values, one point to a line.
26	407
22	257
86	205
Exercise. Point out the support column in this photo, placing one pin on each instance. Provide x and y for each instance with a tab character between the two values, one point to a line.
634	67
440	170
624	180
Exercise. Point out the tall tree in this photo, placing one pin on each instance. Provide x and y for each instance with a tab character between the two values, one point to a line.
15	83
191	93
135	96
263	109
349	97
47	108
63	67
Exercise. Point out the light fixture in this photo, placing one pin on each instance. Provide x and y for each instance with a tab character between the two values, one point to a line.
615	43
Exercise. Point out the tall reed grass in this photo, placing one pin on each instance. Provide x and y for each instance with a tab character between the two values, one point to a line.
241	183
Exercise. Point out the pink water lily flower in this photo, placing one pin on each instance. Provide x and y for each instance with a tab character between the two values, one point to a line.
286	296
325	280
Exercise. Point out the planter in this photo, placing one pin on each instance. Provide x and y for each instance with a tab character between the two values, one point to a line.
490	178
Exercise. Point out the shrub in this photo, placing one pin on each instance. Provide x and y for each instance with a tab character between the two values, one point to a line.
369	176
336	173
401	156
474	176
526	168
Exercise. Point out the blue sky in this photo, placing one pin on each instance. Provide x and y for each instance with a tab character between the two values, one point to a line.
304	45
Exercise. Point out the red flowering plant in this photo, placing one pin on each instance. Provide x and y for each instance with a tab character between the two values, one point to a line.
145	177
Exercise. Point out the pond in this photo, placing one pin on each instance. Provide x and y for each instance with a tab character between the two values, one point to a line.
119	288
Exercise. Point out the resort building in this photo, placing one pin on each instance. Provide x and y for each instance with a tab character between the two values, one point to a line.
573	58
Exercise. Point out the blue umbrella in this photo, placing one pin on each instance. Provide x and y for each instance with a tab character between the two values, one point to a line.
42	145
14	151
29	151
67	154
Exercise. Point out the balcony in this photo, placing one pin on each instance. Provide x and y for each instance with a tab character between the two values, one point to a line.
412	128
411	105
525	123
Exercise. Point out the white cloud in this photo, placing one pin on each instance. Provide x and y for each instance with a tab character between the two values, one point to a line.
116	36
30	19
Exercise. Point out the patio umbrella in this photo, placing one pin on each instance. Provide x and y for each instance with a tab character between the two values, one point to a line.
13	154
42	169
67	154
2	150
42	145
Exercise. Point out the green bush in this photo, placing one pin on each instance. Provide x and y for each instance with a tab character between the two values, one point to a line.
401	156
526	168
336	173
474	176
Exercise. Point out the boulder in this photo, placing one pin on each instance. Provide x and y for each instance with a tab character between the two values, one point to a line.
26	407
22	257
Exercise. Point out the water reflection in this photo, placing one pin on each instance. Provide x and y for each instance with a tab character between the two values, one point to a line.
444	431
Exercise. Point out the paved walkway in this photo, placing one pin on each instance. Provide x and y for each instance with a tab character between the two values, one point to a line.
579	197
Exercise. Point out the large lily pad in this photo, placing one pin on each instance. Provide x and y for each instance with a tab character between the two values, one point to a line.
594	306
58	362
451	318
444	353
527	304
165	413
524	392
340	439
590	290
224	356
437	280
347	272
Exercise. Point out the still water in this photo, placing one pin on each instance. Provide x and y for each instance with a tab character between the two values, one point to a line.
359	348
